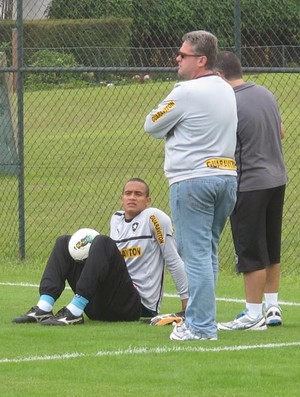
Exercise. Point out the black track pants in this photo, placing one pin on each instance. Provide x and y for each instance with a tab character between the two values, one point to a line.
103	279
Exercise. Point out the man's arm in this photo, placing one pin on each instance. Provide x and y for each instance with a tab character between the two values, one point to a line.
175	266
161	121
282	130
163	227
184	304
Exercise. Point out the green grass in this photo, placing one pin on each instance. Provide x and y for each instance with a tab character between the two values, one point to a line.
82	144
128	359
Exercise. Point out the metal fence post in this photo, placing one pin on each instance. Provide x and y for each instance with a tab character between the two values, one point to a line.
20	94
237	28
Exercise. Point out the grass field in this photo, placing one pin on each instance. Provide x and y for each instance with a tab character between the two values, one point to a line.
81	145
132	359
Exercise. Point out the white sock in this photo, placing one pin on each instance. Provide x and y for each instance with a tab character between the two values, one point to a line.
43	305
254	309
74	310
271	299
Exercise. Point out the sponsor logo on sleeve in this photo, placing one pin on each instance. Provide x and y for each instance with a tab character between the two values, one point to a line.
162	112
158	230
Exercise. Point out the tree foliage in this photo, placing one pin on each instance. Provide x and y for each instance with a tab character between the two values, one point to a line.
85	9
162	23
44	58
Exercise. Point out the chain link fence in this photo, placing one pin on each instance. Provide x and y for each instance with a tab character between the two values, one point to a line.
77	79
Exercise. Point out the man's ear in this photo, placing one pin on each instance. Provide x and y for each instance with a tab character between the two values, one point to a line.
219	74
149	200
202	61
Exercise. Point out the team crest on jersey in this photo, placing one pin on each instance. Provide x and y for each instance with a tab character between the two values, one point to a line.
135	226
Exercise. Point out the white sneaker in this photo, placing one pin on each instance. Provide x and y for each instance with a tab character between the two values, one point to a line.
244	322
273	315
181	333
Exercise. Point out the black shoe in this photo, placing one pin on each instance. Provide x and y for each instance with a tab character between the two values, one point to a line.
34	315
63	317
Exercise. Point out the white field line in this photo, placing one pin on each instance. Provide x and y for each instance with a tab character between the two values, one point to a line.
238	300
147	350
7	283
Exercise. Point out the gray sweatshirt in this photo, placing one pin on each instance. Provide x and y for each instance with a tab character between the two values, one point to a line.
198	119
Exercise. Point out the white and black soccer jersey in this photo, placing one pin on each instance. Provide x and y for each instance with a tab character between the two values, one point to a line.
147	244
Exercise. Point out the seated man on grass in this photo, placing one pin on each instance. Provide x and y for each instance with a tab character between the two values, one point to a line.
122	277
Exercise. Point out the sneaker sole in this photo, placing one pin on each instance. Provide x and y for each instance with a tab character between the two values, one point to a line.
274	323
29	320
51	322
256	327
173	337
273	320
176	338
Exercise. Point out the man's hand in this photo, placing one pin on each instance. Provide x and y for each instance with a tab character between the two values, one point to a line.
166	319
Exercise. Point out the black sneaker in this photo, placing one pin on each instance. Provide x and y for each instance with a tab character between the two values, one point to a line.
63	317
34	315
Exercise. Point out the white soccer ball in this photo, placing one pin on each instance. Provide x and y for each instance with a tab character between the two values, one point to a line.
80	243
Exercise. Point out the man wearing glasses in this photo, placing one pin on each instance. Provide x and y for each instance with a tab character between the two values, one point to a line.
198	120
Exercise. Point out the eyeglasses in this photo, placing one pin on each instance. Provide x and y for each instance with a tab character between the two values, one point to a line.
183	55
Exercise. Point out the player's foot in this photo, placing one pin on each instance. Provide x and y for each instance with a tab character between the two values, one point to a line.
181	333
34	315
273	315
63	317
244	322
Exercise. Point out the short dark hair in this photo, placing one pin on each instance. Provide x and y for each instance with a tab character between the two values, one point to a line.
229	65
141	181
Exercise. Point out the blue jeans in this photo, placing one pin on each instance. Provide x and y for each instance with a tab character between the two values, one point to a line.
200	207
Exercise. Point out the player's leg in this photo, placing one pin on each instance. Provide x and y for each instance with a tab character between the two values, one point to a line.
192	205
59	268
106	283
273	311
225	202
104	290
248	229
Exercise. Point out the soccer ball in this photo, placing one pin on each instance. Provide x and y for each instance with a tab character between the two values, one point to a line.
80	243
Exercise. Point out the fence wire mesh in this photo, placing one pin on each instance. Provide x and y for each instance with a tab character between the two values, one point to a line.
77	79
